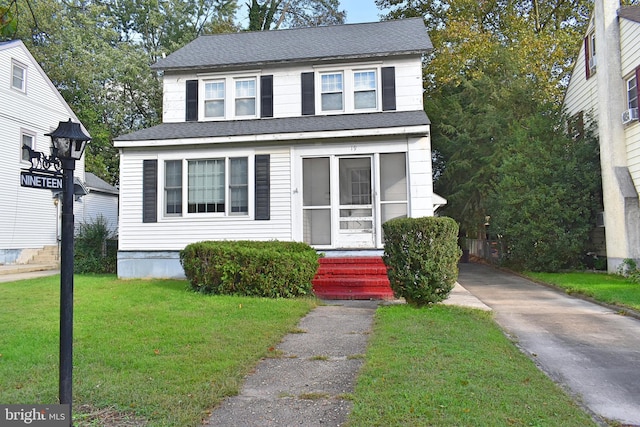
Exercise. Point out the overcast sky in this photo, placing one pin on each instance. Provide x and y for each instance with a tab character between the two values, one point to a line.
360	11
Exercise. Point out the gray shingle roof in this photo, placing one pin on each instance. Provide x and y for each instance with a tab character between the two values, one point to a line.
95	183
185	130
631	13
315	44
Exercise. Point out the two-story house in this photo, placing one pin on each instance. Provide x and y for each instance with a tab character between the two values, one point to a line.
603	90
31	107
315	135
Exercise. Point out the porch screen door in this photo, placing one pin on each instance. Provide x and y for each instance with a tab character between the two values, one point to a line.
355	211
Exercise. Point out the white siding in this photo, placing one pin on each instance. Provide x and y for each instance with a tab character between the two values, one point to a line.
287	87
420	177
582	94
100	204
28	217
174	233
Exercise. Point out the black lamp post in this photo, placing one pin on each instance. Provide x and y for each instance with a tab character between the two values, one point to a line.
68	142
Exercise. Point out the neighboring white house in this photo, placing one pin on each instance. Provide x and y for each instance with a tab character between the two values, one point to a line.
30	107
604	89
101	201
316	135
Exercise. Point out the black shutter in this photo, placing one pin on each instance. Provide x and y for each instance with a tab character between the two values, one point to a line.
263	187
388	88
266	96
149	191
308	95
192	101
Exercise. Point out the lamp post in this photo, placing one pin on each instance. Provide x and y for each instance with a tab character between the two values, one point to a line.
68	143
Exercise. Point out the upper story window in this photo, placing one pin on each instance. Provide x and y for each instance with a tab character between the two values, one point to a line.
364	90
331	92
631	112
214	94
28	139
245	97
18	76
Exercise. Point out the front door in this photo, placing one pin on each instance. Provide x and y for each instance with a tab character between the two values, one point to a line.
354	210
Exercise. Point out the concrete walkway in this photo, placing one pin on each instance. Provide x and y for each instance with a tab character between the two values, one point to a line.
590	349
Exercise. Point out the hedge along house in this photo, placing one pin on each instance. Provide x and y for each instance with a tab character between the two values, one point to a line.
315	135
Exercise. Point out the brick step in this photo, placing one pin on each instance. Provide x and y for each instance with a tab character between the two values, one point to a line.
352	278
352	270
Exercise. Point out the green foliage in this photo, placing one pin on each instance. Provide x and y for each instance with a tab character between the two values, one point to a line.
422	256
95	250
545	196
629	269
274	14
271	269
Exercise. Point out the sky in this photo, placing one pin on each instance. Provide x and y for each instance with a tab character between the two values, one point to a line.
360	11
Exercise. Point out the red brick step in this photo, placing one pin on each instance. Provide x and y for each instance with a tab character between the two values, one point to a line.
352	278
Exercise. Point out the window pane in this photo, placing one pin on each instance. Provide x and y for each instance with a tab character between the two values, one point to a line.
239	185
246	107
632	93
317	226
365	100
214	108
315	182
364	80
206	186
393	177
28	141
245	88
332	82
331	101
214	90
173	187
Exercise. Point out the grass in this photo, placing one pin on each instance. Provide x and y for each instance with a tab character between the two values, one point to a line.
608	288
150	350
450	366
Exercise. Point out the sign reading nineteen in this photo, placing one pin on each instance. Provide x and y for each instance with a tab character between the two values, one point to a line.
36	180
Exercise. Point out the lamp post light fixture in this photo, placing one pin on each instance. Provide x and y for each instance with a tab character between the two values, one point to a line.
68	143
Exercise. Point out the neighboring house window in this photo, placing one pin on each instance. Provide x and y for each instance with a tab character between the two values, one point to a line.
173	187
331	92
19	77
245	97
214	98
239	185
364	90
632	93
29	140
590	54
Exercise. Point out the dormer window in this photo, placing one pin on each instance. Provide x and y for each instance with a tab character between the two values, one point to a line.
245	97
331	94
18	76
364	90
214	98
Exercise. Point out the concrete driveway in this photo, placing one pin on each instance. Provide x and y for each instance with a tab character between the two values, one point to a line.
591	350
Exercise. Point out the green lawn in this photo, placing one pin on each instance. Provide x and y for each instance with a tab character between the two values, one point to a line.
607	288
148	349
450	366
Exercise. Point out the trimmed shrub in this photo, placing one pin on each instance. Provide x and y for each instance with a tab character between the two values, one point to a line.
270	269
95	249
422	256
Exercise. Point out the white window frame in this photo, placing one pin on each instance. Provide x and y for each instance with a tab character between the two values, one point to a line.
14	66
332	90
26	134
215	98
239	96
184	188
375	90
